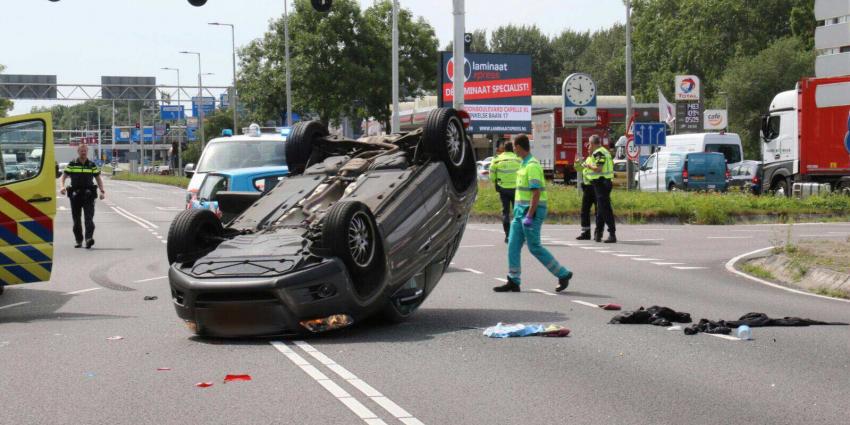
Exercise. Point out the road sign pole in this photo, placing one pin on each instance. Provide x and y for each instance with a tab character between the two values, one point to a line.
580	157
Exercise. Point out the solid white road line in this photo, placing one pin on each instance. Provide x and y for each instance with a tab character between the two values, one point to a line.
151	279
13	305
390	406
730	267
476	246
541	291
585	303
647	259
689	268
729	237
667	264
627	255
81	291
151	225
143	225
335	390
730	338
473	271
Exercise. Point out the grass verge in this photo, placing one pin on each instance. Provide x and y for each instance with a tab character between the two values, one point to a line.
830	292
683	207
757	271
181	182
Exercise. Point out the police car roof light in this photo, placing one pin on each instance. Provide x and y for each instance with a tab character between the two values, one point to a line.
227	132
254	130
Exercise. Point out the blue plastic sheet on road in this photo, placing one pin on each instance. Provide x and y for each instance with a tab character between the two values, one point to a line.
506	330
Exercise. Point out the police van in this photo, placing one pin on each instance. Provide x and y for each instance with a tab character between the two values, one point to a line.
27	202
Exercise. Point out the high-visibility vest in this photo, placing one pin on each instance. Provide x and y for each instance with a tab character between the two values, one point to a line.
503	170
602	158
528	177
585	170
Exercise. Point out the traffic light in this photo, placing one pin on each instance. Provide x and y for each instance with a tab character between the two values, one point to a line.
167	127
321	5
137	125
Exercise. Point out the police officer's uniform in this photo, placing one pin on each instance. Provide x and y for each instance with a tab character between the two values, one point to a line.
82	193
530	176
588	197
503	171
602	185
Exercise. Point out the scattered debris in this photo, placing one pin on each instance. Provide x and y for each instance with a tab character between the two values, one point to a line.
231	378
114	338
752	320
611	307
709	327
655	315
505	330
745	333
204	384
151	297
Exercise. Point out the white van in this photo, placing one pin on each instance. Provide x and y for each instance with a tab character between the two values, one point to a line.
729	144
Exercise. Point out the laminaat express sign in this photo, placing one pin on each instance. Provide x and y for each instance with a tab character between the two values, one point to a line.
497	92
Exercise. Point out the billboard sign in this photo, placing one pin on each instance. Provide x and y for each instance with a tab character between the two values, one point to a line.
689	116
208	105
497	92
27	86
687	87
171	112
715	119
128	88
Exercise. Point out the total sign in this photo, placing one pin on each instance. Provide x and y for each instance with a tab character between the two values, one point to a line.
687	87
497	91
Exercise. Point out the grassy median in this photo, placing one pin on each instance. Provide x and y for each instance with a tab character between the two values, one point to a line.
181	182
682	207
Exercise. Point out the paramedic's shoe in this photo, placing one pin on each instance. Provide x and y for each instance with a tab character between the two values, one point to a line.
564	282
511	286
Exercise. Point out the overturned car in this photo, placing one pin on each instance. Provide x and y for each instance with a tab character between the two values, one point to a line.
361	227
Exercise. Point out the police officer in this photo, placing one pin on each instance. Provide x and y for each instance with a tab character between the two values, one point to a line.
602	176
529	214
82	193
588	194
503	174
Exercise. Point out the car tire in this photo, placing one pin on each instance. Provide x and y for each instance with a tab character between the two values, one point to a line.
445	140
299	144
672	187
192	234
350	233
780	187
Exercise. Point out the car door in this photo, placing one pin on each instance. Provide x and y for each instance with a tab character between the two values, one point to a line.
647	175
27	203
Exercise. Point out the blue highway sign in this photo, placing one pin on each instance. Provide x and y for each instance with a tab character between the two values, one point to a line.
171	112
650	133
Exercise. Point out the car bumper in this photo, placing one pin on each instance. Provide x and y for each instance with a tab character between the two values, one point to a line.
240	307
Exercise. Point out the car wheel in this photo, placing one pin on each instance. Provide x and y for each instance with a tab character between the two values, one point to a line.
445	139
192	234
672	187
350	234
780	187
299	144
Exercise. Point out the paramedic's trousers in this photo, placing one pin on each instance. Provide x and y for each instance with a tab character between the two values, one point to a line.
531	236
82	203
588	200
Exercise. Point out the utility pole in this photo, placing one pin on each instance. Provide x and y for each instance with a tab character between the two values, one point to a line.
286	60
233	97
200	98
395	120
630	169
179	120
458	53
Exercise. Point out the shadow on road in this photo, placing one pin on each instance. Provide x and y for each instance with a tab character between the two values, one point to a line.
42	305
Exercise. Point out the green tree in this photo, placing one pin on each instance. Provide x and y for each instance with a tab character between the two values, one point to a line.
567	50
604	59
216	122
752	82
6	105
803	22
529	40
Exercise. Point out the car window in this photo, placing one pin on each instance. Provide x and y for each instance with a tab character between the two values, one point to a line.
773	127
731	152
233	154
211	186
649	164
18	140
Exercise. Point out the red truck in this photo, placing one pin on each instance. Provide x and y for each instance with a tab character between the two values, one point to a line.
806	136
555	146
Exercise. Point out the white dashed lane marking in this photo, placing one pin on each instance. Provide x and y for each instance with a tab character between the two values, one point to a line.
627	255
585	303
151	279
473	271
647	259
667	264
689	268
13	305
541	291
81	291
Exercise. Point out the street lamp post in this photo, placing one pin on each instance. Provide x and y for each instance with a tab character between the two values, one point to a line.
99	133
286	60
458	54
179	134
200	97
630	167
233	97
395	120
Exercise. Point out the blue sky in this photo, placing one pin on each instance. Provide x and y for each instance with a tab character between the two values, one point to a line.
80	40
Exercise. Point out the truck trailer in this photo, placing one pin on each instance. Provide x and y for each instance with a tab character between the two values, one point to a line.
806	136
555	146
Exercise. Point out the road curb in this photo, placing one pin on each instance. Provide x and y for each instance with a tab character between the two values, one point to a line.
730	267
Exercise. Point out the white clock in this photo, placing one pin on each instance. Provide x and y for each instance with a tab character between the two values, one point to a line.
579	89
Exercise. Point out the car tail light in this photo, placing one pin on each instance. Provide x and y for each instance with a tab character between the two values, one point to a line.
685	173
728	175
756	180
465	118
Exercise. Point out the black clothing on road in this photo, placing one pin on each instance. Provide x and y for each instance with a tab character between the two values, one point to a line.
753	320
507	198
655	315
604	212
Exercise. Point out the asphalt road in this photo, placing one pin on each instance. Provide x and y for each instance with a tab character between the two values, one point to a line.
59	367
